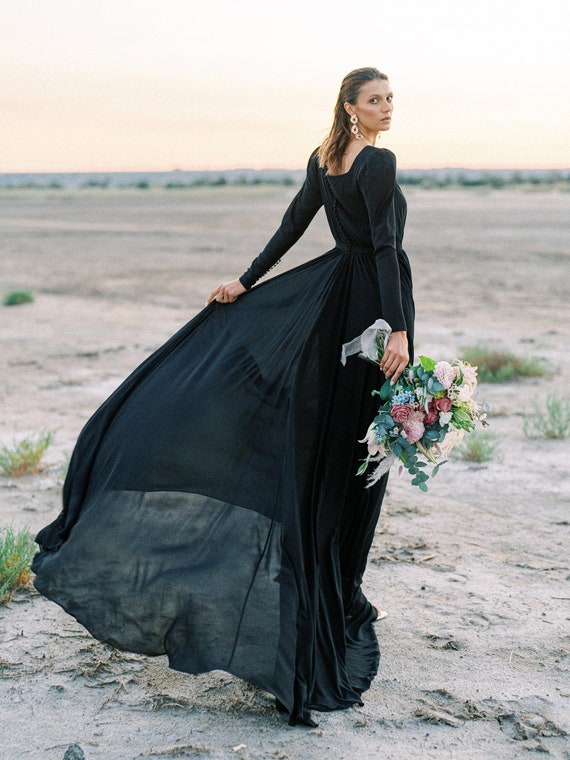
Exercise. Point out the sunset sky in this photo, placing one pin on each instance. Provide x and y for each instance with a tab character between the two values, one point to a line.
119	85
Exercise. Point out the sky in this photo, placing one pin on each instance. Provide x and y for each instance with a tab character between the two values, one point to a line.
139	85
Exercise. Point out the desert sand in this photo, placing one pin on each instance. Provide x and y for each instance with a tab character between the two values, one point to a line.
474	574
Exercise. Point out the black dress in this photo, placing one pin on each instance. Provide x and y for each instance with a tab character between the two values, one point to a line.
211	511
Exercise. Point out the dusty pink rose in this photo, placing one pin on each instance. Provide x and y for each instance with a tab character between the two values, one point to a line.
413	430
431	415
401	412
445	374
442	404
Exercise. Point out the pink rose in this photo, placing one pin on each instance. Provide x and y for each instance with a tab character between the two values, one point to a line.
401	412
432	414
442	404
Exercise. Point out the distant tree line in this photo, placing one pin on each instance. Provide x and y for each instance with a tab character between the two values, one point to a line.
492	179
425	178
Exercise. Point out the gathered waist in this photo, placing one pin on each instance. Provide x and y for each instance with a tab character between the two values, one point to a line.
361	250
356	250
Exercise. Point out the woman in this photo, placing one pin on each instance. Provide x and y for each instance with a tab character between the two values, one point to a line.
211	510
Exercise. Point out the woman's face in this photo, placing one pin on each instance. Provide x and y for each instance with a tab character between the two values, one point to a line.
373	107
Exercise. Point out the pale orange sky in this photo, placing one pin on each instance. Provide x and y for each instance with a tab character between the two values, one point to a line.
118	85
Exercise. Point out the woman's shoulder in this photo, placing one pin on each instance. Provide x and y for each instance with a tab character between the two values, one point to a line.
314	157
378	165
378	157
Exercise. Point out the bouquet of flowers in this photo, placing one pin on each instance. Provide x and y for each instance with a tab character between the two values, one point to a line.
422	416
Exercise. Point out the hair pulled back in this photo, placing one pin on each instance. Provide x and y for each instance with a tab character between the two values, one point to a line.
335	144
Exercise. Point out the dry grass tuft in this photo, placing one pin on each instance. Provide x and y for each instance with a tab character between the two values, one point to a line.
494	366
551	422
16	552
24	457
478	446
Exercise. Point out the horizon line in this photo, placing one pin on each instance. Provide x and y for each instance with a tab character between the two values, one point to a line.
284	170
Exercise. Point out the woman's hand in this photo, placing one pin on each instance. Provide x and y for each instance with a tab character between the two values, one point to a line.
227	292
396	356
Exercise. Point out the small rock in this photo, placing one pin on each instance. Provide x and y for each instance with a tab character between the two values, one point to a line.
74	752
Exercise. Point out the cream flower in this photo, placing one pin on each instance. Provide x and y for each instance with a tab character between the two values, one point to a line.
371	440
464	392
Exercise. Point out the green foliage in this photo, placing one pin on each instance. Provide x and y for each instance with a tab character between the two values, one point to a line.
427	363
495	366
24	457
96	183
16	297
16	552
478	446
221	181
551	422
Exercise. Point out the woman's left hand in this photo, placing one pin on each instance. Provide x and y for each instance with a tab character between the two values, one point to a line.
396	356
227	292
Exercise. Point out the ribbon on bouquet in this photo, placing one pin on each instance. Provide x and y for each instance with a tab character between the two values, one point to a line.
366	345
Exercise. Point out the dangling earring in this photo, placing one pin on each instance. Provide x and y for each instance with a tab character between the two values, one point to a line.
354	129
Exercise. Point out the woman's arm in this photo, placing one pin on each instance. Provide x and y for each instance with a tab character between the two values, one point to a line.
295	221
377	180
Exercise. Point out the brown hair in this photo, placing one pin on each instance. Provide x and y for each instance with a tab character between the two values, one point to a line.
334	145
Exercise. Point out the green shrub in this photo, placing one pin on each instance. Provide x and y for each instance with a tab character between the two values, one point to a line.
551	422
478	446
16	552
24	457
16	297
494	366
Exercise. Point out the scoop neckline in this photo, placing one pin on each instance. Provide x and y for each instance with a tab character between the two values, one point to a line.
346	173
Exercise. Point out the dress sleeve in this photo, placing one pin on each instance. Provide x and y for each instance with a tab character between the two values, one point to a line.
297	218
377	180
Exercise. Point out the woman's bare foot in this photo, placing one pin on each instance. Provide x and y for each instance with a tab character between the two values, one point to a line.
380	614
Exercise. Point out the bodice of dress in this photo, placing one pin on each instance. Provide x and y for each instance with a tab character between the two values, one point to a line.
347	209
366	211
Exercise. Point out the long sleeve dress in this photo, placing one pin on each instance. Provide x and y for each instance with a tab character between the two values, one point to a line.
211	510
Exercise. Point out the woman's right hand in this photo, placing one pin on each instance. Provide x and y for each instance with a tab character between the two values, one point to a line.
227	292
396	356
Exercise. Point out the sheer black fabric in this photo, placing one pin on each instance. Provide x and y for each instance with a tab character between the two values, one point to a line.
211	511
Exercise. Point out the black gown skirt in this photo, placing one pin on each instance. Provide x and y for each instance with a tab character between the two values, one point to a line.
211	508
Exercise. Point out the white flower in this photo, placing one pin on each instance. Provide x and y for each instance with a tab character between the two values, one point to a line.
464	393
371	440
445	418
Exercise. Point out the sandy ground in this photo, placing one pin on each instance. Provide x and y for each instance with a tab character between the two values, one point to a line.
474	574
